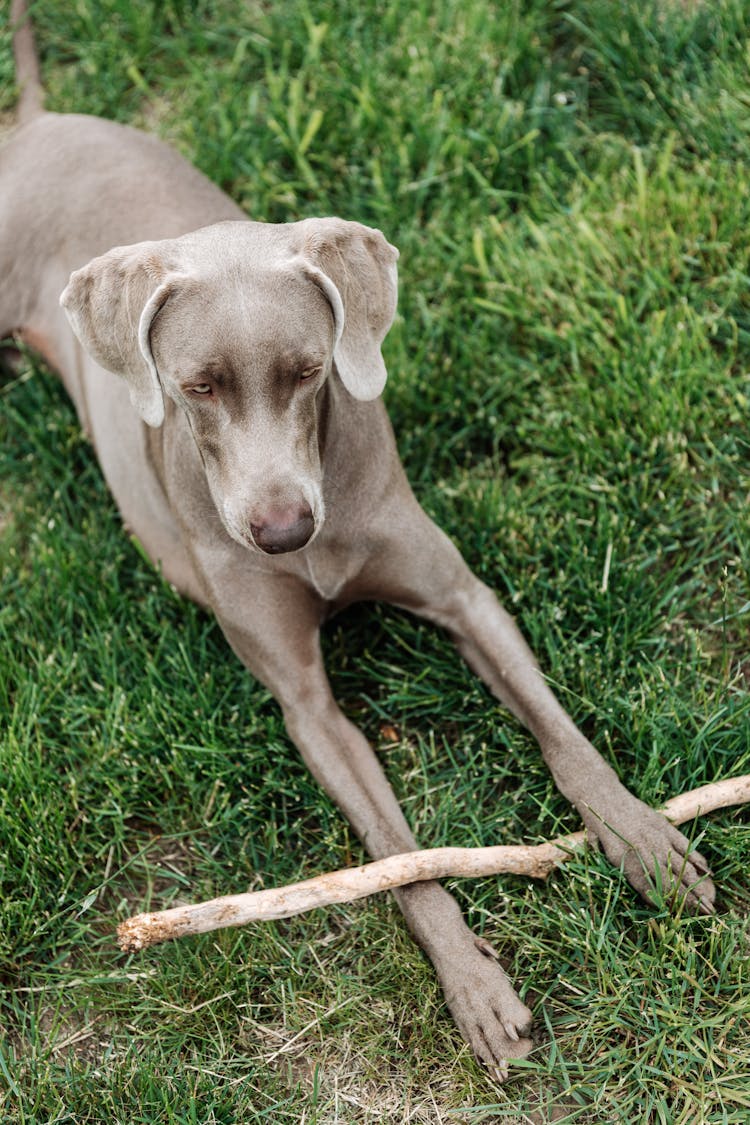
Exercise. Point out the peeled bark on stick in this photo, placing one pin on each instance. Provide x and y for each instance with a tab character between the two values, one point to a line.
349	884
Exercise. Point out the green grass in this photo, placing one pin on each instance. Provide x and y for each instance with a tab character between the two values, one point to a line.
568	184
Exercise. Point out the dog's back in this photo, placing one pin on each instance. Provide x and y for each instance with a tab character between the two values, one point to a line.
73	186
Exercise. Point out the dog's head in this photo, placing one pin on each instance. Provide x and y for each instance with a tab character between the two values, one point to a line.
241	324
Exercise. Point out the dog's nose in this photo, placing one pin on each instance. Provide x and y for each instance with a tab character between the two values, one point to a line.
284	530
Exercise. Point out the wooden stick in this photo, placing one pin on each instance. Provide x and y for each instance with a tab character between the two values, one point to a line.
437	863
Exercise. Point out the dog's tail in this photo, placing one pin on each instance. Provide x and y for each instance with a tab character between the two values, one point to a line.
28	76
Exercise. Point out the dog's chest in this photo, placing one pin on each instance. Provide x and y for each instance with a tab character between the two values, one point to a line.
331	568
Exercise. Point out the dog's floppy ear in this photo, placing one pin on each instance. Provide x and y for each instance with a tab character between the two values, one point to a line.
111	304
356	269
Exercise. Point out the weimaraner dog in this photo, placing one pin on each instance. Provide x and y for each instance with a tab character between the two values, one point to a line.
229	376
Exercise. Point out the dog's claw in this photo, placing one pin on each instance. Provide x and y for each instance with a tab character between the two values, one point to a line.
654	855
705	907
493	1020
486	948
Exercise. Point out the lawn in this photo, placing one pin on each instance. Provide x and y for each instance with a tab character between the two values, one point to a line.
568	183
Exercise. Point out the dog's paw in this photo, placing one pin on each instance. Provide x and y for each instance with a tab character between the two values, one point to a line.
489	1014
654	855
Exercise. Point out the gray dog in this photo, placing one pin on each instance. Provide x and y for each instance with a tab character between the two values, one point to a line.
245	442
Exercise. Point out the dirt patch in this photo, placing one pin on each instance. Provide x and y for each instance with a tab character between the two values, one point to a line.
351	1088
86	1040
61	1035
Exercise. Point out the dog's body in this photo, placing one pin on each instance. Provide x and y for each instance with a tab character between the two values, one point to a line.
248	450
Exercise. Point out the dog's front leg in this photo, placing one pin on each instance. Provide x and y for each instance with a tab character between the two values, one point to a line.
425	573
276	636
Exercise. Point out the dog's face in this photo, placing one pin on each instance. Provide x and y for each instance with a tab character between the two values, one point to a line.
241	324
249	381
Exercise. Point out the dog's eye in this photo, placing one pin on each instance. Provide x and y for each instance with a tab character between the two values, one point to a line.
201	389
309	373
